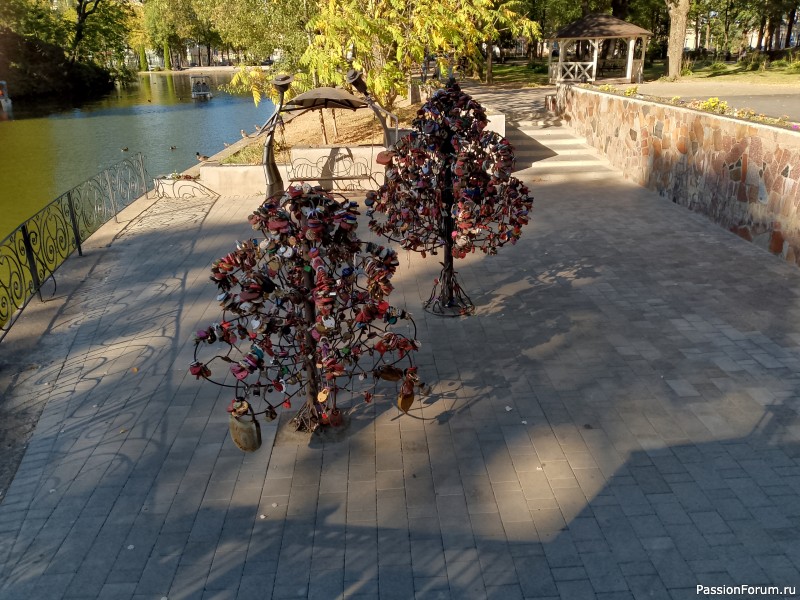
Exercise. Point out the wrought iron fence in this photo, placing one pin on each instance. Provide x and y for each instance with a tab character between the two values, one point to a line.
30	255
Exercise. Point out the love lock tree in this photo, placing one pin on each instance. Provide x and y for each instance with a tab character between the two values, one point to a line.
305	317
449	187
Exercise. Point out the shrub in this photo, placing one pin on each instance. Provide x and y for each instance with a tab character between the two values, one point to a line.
713	105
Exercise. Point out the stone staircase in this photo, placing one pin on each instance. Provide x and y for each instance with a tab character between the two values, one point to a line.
554	153
546	149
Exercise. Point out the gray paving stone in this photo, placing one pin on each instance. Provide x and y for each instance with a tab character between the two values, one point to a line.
535	578
638	567
637	475
116	591
503	592
578	590
647	586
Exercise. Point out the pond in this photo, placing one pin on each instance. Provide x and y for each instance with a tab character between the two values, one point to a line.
49	149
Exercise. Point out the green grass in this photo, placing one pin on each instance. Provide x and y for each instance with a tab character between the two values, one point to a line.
249	155
516	75
739	72
778	72
519	75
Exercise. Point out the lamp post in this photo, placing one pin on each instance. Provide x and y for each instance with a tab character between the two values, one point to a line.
273	176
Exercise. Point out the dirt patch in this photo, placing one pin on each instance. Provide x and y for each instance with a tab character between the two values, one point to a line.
342	128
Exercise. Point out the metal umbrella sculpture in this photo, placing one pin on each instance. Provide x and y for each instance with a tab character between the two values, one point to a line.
305	317
449	187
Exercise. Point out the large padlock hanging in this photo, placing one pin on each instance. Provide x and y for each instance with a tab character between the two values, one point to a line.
245	429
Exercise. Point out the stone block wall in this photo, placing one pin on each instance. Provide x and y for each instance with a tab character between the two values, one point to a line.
744	176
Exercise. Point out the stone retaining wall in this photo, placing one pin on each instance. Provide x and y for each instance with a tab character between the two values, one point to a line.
744	176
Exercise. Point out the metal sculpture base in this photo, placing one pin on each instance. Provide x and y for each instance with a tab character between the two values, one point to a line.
306	418
448	299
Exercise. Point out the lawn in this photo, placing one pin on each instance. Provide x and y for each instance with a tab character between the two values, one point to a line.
778	72
510	75
521	75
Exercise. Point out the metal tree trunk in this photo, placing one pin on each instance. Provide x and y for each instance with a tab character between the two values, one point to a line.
448	274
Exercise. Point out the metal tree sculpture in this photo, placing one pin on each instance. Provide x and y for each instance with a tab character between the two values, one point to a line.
449	186
305	316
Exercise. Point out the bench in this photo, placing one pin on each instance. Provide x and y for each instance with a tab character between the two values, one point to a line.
611	66
336	168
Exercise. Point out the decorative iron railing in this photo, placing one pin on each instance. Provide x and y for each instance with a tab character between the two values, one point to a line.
30	255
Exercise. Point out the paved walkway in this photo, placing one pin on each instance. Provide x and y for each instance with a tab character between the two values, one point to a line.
619	420
771	99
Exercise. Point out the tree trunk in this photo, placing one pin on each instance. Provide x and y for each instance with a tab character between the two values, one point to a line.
167	58
769	39
335	128
489	57
208	54
83	9
620	9
697	33
322	128
761	28
726	28
789	25
143	66
678	13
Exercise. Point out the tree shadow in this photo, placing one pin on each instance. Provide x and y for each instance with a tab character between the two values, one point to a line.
619	417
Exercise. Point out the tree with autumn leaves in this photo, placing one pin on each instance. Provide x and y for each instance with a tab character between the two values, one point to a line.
305	317
449	188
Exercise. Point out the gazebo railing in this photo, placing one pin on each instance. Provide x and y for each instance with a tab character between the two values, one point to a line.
576	71
637	71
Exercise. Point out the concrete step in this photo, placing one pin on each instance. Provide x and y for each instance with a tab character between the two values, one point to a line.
523	154
544	119
561	138
541	172
578	159
555	154
554	133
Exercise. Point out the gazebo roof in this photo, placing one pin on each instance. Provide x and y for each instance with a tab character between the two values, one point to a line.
600	26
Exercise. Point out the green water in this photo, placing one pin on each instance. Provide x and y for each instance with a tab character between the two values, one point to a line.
47	150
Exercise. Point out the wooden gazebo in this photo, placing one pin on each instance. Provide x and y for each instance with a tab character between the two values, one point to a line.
598	47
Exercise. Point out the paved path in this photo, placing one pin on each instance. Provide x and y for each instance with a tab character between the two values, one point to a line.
773	100
619	420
